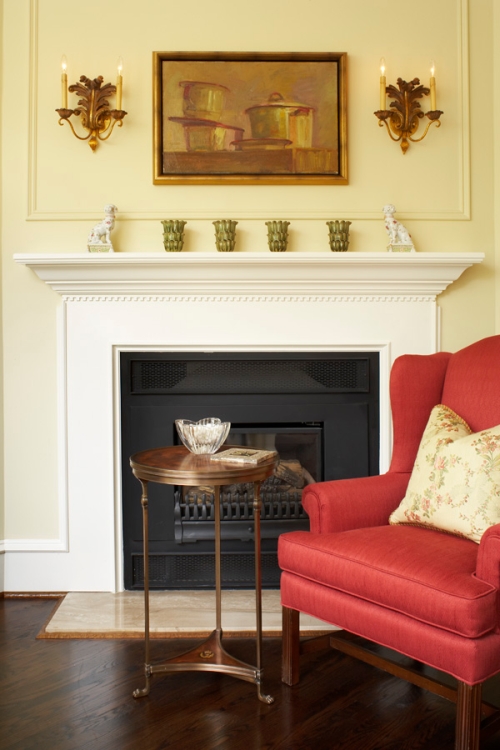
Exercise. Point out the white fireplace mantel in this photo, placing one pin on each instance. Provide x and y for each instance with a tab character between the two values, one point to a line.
167	274
201	302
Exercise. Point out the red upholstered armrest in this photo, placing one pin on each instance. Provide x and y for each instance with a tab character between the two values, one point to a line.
353	503
488	557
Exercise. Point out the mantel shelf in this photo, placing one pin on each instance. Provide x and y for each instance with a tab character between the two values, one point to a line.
213	274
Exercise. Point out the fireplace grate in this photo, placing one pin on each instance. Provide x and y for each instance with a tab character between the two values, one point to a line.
198	570
250	376
274	505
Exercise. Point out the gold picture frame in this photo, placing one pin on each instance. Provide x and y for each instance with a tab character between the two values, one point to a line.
250	118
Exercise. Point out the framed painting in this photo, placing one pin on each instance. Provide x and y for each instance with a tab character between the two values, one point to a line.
241	118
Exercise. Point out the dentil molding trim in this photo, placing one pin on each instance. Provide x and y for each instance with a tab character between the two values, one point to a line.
245	298
281	277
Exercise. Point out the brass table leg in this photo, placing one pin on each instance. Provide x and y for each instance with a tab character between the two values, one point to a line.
209	656
218	576
258	592
140	692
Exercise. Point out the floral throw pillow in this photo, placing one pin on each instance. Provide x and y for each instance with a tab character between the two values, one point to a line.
455	483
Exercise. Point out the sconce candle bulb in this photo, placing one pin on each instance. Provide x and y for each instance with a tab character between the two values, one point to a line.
382	83
64	83
119	83
433	86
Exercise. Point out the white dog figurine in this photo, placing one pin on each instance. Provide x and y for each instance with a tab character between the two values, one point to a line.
103	229
398	234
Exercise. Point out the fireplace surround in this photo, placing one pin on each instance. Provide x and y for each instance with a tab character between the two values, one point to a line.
195	303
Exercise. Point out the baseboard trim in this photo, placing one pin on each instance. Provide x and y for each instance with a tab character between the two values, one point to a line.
34	594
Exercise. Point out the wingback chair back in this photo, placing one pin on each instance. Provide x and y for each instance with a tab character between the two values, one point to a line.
471	385
430	595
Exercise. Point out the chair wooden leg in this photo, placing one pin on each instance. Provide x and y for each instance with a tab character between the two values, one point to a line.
468	723
290	658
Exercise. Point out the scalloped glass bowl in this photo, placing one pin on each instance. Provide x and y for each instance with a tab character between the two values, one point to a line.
205	436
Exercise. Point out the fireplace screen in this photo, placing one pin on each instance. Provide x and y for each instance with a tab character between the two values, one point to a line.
320	412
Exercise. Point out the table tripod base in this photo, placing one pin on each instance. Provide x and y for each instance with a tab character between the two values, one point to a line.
208	656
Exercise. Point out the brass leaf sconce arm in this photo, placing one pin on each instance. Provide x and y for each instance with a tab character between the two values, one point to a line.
402	119
93	108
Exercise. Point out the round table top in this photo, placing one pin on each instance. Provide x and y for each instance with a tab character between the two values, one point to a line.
176	465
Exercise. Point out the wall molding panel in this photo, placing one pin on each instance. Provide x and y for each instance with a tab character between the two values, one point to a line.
356	211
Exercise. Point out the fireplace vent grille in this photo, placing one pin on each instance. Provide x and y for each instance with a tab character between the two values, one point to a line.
198	570
250	376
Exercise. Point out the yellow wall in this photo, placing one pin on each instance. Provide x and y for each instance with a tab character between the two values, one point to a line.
54	188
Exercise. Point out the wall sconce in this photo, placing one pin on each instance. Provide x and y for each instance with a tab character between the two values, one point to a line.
402	119
93	106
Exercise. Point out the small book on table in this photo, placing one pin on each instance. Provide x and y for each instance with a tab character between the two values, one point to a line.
244	455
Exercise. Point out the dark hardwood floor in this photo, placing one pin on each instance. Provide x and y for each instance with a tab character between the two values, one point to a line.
77	695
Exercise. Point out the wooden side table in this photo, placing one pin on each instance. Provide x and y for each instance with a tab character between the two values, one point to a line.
176	465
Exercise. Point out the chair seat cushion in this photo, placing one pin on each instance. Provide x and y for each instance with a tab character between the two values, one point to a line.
424	574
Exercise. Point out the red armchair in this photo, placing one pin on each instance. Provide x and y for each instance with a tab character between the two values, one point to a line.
429	595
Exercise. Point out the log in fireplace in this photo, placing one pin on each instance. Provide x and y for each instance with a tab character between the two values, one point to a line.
320	412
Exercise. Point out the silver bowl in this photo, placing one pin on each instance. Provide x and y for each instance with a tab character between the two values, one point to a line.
205	436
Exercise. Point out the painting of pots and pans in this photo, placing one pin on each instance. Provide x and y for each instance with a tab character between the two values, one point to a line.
254	118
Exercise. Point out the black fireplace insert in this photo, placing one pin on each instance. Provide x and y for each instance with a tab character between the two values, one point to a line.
320	411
